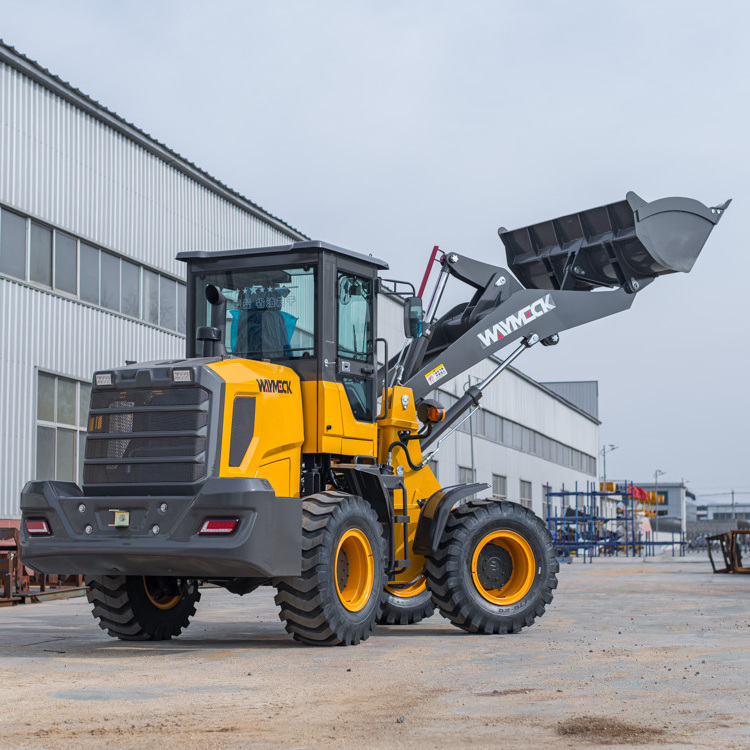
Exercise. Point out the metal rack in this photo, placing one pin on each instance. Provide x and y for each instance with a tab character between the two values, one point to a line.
585	529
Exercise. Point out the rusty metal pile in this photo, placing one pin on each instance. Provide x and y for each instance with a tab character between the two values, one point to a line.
21	585
731	546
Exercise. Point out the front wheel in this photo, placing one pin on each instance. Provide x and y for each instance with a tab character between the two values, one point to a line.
143	608
335	599
495	568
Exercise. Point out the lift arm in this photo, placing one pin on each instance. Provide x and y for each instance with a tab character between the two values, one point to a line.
525	313
617	250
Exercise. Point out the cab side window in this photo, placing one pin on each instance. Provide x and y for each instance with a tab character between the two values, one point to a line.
355	317
355	342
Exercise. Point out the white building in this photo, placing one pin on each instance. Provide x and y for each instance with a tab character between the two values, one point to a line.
678	506
92	214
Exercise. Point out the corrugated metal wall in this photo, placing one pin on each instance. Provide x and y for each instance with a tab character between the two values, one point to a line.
67	168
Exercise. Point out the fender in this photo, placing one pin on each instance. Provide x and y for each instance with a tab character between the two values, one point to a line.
435	515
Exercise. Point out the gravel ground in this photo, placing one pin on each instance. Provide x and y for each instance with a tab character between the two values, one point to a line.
631	653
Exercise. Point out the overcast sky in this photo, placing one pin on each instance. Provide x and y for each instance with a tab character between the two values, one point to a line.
389	127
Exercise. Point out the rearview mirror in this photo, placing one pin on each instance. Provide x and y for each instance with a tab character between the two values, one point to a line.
413	317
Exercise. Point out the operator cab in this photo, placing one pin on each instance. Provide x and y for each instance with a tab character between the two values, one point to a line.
309	306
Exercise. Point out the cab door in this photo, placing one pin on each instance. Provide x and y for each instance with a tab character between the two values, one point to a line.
356	342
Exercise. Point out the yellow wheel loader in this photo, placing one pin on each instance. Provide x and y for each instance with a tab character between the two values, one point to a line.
290	447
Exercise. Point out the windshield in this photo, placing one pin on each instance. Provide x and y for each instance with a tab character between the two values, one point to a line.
270	311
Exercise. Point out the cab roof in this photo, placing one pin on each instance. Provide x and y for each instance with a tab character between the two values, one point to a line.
296	247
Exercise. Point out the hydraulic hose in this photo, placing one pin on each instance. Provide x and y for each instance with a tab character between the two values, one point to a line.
401	444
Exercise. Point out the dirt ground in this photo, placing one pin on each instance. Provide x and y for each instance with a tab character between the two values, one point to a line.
631	653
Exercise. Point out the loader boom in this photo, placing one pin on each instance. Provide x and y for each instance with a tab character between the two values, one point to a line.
617	249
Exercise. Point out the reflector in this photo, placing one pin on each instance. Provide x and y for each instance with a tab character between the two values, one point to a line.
219	525
38	526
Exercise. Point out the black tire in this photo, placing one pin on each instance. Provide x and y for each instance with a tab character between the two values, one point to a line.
400	610
142	608
515	570
313	606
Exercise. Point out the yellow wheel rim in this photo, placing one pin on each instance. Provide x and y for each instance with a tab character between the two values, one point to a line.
165	601
522	563
354	569
410	589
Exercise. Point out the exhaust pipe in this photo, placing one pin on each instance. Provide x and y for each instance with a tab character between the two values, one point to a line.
617	245
213	336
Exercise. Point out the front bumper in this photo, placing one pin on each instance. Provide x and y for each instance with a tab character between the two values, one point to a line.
266	543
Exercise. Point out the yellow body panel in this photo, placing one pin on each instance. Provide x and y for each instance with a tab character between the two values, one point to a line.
419	484
279	474
275	449
330	425
315	417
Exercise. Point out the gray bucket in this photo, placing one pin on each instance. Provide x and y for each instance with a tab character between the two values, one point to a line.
611	245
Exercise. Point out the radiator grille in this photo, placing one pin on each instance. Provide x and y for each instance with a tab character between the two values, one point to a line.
147	436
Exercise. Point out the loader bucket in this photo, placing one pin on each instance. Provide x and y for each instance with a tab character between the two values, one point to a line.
613	245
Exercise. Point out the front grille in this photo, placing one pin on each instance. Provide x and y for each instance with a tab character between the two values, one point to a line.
149	436
143	473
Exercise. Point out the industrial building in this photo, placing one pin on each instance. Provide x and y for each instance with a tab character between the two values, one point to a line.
725	512
92	213
678	506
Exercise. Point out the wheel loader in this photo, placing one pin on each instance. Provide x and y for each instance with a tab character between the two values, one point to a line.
290	447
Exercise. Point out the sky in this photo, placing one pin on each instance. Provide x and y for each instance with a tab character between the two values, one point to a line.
389	127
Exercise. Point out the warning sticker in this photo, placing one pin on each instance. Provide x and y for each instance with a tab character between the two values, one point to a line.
434	375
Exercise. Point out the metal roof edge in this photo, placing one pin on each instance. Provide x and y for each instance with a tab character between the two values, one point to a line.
33	70
279	249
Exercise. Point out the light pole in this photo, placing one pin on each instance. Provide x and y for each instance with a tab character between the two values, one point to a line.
657	474
606	449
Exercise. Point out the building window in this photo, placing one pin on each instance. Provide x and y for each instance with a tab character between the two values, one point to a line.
499	486
167	303
525	493
66	263
434	468
110	282
62	412
12	244
181	307
89	274
40	264
130	289
465	475
97	276
151	297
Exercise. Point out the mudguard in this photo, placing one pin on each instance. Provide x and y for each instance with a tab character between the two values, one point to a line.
435	515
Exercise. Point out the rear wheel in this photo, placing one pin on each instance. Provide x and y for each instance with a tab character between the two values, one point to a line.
495	568
143	608
406	605
335	600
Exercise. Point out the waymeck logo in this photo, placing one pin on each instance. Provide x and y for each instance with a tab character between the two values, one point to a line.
274	386
514	322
